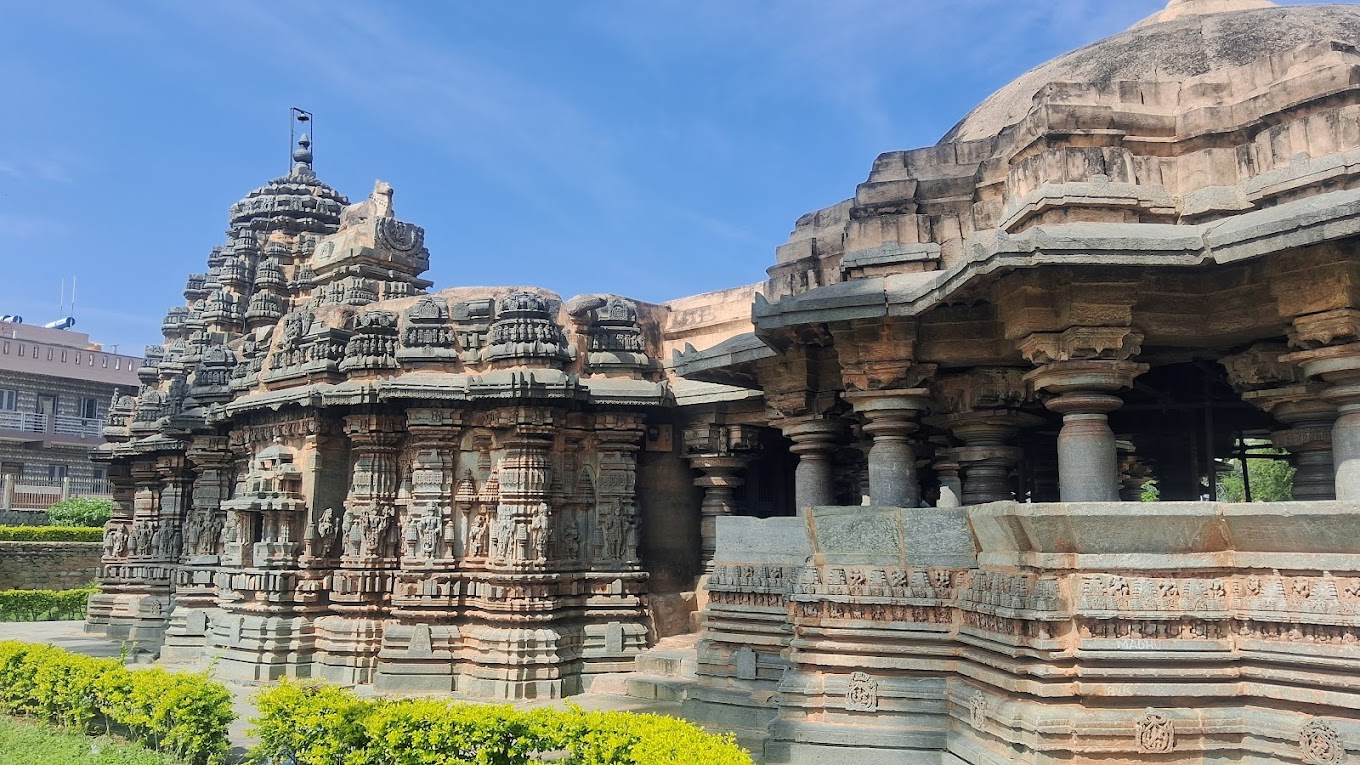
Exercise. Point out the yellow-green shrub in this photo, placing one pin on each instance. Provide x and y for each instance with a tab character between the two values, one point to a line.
324	725
51	534
184	714
40	605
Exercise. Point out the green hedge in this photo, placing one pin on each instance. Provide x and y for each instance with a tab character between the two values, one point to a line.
325	725
182	714
51	534
44	605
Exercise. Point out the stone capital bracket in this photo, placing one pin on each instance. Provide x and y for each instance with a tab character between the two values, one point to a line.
896	402
812	434
1331	363
1065	377
714	440
1081	344
1261	366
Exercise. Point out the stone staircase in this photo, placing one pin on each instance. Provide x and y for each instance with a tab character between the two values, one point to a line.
663	673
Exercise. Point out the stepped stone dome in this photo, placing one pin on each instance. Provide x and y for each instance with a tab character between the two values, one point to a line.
1188	39
297	202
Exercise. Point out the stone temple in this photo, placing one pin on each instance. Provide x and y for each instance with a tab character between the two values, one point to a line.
893	488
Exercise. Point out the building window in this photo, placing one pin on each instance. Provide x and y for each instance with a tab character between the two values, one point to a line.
9	400
56	472
89	408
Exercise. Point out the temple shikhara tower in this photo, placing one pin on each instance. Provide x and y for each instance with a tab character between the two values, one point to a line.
892	493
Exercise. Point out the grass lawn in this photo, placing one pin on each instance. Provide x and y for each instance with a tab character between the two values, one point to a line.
29	743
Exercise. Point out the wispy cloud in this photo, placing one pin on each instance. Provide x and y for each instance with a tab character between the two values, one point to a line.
40	164
445	99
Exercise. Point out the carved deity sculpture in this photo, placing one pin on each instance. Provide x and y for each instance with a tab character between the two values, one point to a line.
477	537
539	533
326	530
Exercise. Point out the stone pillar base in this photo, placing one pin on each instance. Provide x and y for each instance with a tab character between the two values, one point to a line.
186	637
418	658
255	647
347	648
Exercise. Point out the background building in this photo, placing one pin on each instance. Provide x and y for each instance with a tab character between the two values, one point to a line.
55	389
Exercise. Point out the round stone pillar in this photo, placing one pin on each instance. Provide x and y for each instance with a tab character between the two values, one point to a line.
814	441
1309	439
719	481
951	488
1346	440
1338	365
890	420
1088	457
986	456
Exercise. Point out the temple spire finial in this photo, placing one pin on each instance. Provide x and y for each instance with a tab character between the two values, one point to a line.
302	151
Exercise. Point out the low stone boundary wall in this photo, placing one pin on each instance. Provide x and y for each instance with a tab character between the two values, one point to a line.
23	517
48	565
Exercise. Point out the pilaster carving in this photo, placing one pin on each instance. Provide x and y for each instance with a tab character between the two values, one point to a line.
720	453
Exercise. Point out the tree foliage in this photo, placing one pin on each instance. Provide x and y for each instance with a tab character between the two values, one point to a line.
1271	480
80	511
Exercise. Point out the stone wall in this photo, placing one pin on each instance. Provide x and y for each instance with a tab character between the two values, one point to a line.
1111	632
23	517
48	565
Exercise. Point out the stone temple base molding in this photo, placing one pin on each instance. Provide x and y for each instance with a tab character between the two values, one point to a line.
1088	458
891	419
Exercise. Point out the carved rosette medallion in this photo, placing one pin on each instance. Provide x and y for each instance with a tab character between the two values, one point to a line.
977	710
400	236
1321	743
1155	734
861	695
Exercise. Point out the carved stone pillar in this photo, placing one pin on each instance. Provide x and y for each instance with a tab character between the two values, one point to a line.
720	453
1279	388
1085	367
1331	352
420	640
951	488
117	548
814	441
891	419
429	532
987	457
348	640
195	592
979	409
1133	473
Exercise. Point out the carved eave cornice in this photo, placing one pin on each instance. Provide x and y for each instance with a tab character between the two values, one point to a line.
141	447
731	362
1327	217
510	385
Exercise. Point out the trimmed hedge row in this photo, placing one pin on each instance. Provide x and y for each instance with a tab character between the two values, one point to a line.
324	725
51	534
182	714
44	605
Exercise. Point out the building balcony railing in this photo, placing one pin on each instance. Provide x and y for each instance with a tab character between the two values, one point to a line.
60	425
31	494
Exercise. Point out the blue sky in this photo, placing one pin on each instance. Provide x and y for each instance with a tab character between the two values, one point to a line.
652	149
